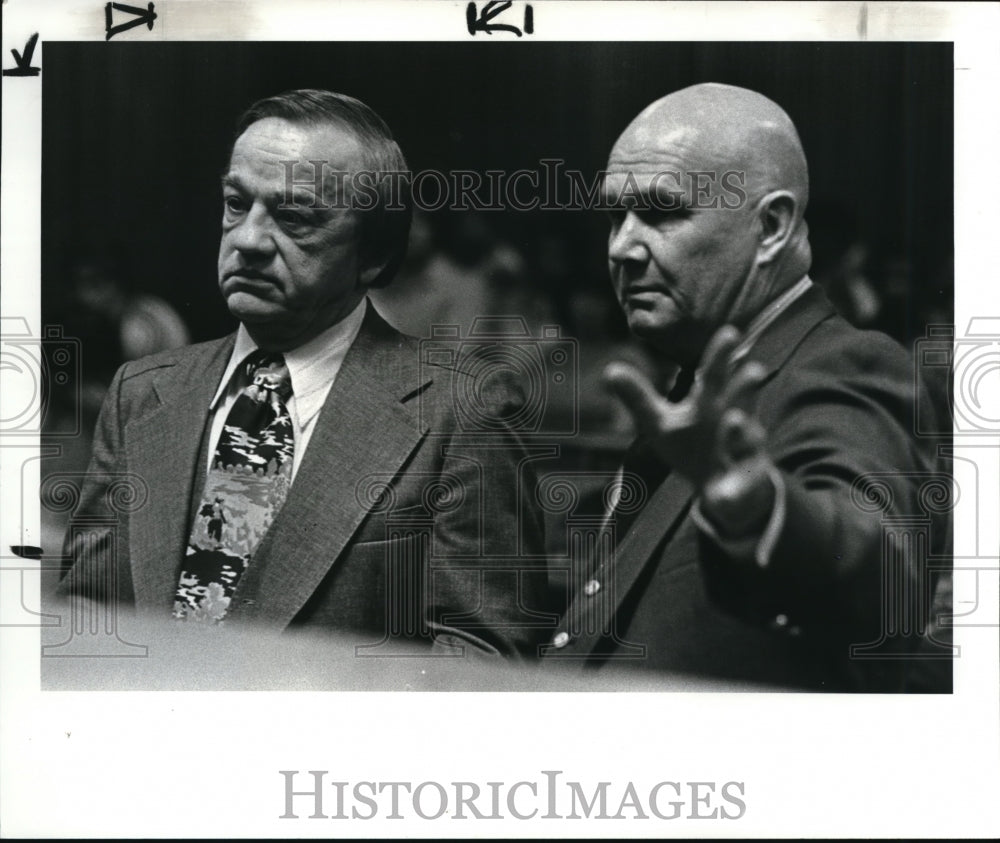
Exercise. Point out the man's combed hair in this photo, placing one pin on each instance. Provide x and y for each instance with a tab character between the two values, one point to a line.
386	227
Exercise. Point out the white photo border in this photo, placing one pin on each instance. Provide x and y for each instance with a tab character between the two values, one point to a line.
126	764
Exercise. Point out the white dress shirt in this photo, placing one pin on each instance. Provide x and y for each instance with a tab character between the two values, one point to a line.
313	367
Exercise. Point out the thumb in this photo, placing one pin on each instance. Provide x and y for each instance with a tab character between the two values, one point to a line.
740	437
638	394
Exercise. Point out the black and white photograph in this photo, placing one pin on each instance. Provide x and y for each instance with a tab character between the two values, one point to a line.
535	412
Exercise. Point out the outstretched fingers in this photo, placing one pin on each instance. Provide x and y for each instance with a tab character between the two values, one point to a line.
649	409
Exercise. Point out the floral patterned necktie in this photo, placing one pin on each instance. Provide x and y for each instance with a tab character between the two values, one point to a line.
246	486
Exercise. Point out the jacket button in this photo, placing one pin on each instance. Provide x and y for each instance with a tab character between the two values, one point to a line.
782	623
561	640
591	588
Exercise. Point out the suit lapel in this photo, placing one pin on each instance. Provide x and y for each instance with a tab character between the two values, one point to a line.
363	428
659	518
162	448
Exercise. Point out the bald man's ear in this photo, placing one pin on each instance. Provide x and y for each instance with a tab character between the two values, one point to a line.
778	218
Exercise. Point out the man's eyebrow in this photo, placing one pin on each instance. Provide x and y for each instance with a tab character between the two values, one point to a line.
228	180
300	194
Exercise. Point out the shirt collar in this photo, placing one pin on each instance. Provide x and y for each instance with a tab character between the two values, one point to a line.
771	312
312	367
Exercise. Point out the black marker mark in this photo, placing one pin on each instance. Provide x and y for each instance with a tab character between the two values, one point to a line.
143	16
23	62
480	21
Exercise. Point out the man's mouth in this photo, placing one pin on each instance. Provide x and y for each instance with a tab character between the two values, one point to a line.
643	290
250	278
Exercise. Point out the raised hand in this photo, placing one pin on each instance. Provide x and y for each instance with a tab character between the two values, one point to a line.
710	436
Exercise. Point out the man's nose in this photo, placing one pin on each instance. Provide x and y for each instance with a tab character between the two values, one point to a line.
625	242
252	234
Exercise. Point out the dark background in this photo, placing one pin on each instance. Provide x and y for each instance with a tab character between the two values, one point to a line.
136	135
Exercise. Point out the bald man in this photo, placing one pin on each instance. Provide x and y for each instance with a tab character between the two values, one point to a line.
748	558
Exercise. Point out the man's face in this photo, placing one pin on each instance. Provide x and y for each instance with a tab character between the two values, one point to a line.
288	273
679	268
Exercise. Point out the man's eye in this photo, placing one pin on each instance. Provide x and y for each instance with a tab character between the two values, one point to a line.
654	216
234	204
292	219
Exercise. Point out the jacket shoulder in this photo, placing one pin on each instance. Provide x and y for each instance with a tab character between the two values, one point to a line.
189	355
835	356
835	342
845	387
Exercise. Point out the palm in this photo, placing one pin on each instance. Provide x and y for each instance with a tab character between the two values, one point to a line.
709	433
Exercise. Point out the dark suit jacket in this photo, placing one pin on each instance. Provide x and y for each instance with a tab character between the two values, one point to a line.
397	524
837	405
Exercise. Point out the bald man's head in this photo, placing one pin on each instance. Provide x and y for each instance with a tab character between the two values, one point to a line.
710	185
713	127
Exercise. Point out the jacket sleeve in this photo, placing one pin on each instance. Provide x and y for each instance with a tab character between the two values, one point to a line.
488	575
96	542
839	429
